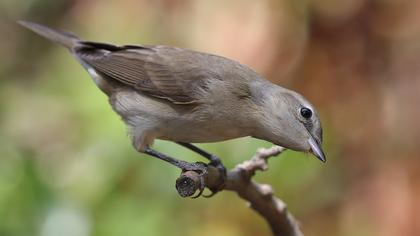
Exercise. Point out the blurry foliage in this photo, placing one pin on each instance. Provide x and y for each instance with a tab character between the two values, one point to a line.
67	166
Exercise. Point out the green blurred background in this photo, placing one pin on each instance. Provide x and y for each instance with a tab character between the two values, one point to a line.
67	166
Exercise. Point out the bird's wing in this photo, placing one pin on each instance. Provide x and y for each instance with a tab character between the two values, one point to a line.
174	74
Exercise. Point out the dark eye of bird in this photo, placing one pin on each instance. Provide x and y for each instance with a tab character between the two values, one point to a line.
306	112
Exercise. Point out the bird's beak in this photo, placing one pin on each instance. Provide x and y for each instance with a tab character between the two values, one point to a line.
316	149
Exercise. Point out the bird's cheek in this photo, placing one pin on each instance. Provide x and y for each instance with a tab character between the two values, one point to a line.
295	144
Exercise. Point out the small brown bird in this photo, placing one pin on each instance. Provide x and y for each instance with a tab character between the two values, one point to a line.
169	93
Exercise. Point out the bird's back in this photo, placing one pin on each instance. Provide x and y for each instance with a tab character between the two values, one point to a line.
163	91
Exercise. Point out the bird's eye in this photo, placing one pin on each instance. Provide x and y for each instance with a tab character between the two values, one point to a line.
306	112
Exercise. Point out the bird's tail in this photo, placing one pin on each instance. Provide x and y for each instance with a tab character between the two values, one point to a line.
66	39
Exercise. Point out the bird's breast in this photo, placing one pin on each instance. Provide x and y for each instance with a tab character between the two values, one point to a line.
198	132
147	115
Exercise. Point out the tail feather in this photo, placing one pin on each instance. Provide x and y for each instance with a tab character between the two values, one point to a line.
66	39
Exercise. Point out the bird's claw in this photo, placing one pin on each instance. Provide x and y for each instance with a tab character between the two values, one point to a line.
201	169
222	171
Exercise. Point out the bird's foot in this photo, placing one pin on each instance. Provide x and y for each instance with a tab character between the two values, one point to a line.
193	177
217	163
198	167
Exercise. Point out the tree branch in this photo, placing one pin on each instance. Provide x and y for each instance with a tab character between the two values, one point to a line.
259	196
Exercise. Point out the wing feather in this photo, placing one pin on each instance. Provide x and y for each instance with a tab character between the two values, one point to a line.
164	72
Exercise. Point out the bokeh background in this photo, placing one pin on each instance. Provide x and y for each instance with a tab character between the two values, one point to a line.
67	166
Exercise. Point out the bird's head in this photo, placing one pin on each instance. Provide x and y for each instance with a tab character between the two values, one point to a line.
289	120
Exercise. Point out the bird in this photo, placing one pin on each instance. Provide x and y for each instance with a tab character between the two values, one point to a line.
185	96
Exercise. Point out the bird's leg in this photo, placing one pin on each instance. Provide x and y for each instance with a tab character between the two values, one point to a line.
214	161
199	167
212	158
